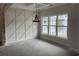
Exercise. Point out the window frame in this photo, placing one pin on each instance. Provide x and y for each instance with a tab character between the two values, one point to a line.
62	25
52	25
55	25
44	25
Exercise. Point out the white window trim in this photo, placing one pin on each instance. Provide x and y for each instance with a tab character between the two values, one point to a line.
56	26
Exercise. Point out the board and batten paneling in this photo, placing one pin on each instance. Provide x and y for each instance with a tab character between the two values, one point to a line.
19	25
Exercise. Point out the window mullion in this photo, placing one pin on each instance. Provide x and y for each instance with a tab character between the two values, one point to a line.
57	26
48	25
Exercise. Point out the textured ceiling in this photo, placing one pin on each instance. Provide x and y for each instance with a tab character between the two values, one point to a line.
1	6
31	6
40	6
4	6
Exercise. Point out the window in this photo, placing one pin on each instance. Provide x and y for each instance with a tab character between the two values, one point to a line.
62	25
52	25
55	25
45	25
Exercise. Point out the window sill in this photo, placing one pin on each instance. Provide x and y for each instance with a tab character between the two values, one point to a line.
62	38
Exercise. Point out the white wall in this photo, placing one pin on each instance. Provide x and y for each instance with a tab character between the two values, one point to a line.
73	14
19	25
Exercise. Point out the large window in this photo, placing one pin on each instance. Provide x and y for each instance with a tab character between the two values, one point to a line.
55	25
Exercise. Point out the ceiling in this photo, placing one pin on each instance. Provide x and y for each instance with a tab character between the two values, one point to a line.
1	6
40	6
31	6
4	6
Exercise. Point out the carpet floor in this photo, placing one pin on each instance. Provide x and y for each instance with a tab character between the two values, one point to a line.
34	47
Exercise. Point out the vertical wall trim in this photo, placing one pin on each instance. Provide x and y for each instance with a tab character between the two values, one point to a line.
32	28
15	27
48	24
56	25
25	24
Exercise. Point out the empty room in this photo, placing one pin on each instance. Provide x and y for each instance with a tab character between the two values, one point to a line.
39	29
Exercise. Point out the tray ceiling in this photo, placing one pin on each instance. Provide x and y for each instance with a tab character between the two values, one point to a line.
40	6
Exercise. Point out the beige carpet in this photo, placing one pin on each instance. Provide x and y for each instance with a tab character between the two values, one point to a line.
33	47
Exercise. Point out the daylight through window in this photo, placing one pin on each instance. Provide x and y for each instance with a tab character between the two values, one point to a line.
55	25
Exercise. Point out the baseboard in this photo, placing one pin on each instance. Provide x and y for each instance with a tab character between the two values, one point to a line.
73	49
55	42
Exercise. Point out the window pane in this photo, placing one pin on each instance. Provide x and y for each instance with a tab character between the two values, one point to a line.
45	29
62	19
45	21
53	20
52	30
62	32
